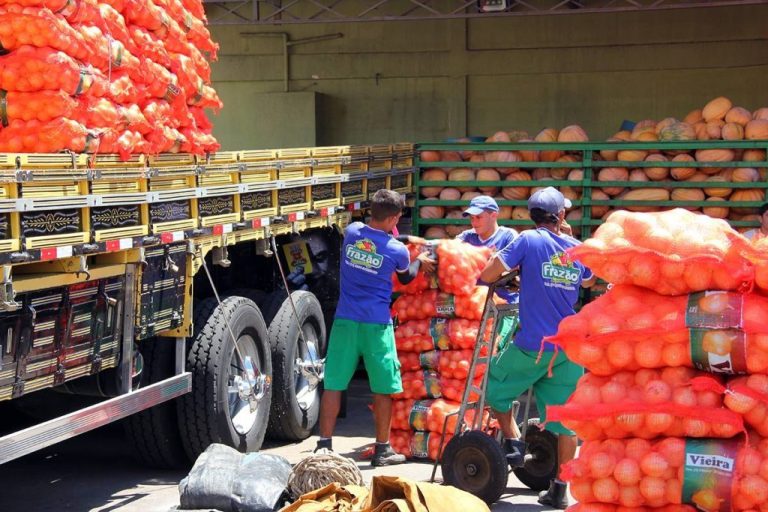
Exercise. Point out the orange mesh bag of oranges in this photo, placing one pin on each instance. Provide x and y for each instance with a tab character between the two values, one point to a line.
452	364
30	69
428	415
606	507
40	105
648	403
629	328
437	333
714	475
672	252
422	281
459	266
432	303
48	137
748	396
421	384
417	445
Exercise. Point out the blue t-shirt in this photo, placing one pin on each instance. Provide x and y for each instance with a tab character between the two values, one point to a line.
501	238
549	283
368	258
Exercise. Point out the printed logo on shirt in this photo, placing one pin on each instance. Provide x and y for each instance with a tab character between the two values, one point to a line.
363	254
560	270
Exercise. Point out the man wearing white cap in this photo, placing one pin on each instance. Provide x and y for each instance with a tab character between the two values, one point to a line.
549	289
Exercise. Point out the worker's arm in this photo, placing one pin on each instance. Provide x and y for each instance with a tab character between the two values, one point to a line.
409	274
410	239
587	283
493	270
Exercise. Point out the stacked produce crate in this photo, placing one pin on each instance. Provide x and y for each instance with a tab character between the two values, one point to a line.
713	161
109	77
438	320
660	426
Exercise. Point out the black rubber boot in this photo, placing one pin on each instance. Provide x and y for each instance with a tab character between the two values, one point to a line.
515	451
556	496
384	455
324	444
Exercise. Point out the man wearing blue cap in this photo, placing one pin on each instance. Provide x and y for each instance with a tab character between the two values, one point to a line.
483	213
549	289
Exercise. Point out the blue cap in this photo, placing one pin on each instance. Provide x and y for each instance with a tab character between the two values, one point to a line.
481	204
550	200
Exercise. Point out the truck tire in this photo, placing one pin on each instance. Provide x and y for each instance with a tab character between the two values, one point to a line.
257	296
271	304
154	433
295	408
215	412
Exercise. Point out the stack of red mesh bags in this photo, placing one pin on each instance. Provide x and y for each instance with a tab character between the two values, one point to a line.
677	357
437	322
112	77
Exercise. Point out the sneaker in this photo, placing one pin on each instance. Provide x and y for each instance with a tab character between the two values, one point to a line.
386	456
515	451
323	444
556	496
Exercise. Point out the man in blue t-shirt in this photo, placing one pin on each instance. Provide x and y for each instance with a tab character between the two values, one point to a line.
483	213
362	326
549	289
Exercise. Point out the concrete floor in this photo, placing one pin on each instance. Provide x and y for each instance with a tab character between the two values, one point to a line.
95	472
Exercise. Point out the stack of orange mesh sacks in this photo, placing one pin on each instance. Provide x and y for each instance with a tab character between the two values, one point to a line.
663	346
438	320
118	76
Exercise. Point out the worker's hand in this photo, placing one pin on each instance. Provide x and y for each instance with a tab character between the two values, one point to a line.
566	228
417	240
427	263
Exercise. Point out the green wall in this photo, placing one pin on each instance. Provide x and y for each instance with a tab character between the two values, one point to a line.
427	80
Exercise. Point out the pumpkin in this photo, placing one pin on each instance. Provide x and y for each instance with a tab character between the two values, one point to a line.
572	193
632	155
572	133
599	210
432	175
713	155
516	192
518	135
435	233
503	156
701	131
573	218
745	175
667	121
714	128
657	173
732	131
541	173
430	156
756	129
738	115
450	156
682	173
717	212
450	194
462	174
488	175
521	213
499	137
698	176
466	154
694	116
505	212
454	229
643	126
747	194
717	192
468	196
529	155
716	108
677	131
761	113
610	154
559	173
432	212
613	174
637	175
548	135
688	194
753	155
645	194
576	175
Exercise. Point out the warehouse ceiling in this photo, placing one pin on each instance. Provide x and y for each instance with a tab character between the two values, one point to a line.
282	12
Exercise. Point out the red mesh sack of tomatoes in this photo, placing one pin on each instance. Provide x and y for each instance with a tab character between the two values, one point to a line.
671	402
41	105
428	415
422	384
164	139
459	266
103	113
417	445
31	69
748	396
432	303
198	142
41	28
151	46
437	333
629	328
122	142
717	475
453	364
672	252
422	281
107	53
47	137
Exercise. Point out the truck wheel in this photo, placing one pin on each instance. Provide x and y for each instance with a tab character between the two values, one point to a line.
257	296
218	409
295	403
271	304
154	433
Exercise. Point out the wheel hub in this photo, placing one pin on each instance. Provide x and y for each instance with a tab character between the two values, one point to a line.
308	368
471	469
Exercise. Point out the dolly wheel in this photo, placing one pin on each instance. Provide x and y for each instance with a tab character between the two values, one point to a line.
541	467
474	462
